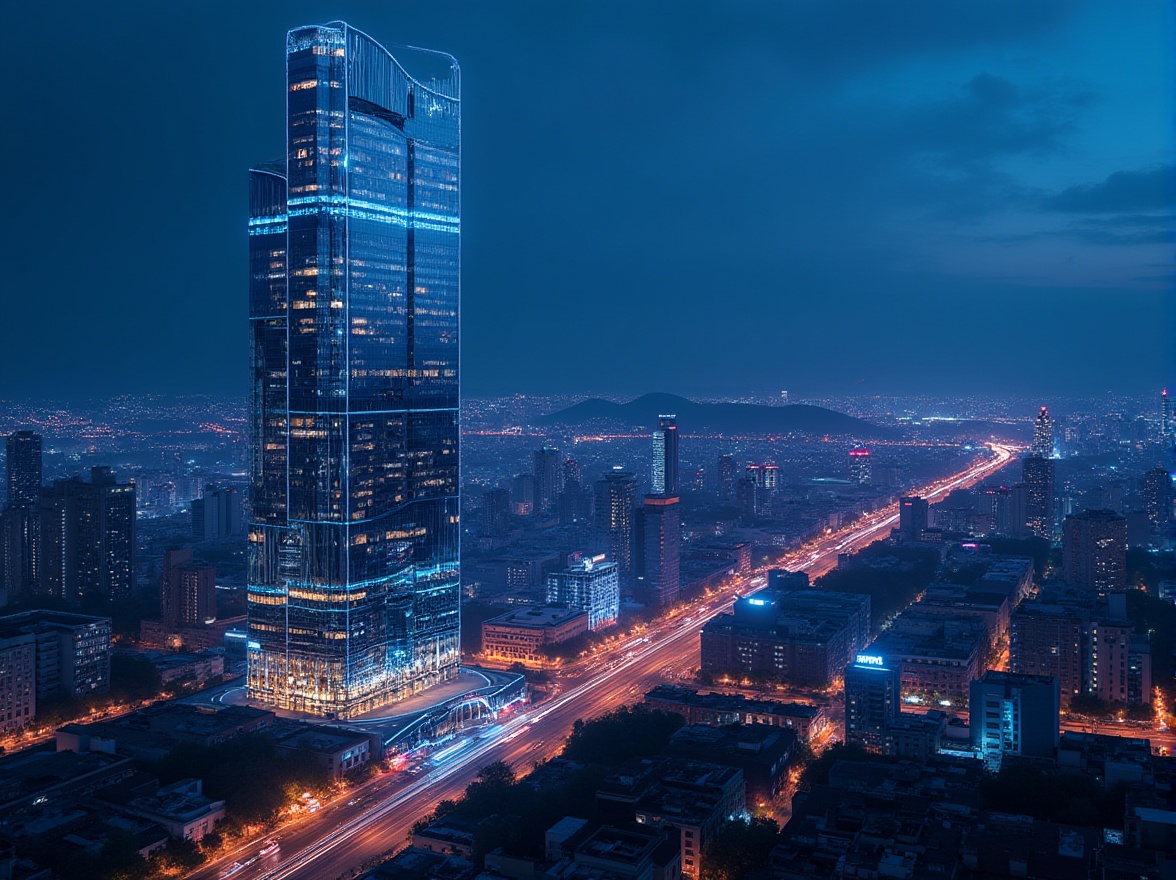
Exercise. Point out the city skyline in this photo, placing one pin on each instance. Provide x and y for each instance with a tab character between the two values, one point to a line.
961	177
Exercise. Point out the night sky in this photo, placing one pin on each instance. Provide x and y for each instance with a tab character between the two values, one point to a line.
704	197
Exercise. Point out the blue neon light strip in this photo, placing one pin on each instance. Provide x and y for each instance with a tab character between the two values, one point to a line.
342	206
267	225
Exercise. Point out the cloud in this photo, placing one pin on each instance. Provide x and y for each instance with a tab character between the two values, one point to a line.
992	117
1112	233
1153	189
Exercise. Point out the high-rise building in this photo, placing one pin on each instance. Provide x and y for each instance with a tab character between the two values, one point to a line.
575	501
659	548
1043	439
664	473
1167	425
571	472
24	468
496	511
72	653
912	516
354	285
522	494
1094	551
218	514
745	498
589	584
765	476
872	692
18	679
1037	473
762	479
187	590
859	466
659	576
83	541
1052	639
548	482
1157	499
726	476
1014	715
800	636
996	504
17	573
616	500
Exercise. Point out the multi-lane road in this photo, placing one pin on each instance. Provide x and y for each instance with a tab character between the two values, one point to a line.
377	817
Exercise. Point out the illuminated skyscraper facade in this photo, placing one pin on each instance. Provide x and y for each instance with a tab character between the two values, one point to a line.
726	476
1037	473
616	498
913	516
83	538
1157	499
859	466
871	701
548	484
664	472
1043	439
1094	551
658	551
354	285
24	468
589	584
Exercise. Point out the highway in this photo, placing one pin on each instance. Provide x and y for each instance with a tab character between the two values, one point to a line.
376	818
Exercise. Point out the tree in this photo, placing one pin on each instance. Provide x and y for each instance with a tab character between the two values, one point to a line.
738	848
498	773
628	732
1054	795
134	678
816	771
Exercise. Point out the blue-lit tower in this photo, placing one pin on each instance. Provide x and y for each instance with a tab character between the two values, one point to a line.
354	289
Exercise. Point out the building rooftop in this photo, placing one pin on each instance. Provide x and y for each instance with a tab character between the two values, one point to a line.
734	702
29	621
537	617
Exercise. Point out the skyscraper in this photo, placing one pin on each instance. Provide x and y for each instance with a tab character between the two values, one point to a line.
496	522
1094	551
589	584
912	516
726	476
664	473
83	540
658	564
1157	498
859	466
762	479
1037	473
571	472
354	285
24	468
1014	714
1167	426
616	498
660	568
548	482
217	514
1043	439
574	503
872	689
187	590
17	520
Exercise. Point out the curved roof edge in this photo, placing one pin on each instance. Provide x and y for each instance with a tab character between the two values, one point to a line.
446	88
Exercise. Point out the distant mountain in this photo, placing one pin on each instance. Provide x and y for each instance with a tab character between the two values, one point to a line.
725	418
